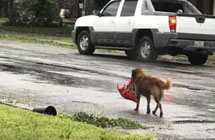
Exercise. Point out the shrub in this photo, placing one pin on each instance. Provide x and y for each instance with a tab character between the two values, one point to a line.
36	13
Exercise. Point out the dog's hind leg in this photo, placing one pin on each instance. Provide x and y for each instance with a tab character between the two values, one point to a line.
158	106
138	101
161	111
156	98
155	110
158	94
148	104
155	93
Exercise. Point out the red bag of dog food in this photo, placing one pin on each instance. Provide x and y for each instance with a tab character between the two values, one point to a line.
127	92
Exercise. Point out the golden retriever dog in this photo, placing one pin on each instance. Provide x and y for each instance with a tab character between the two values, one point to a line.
149	86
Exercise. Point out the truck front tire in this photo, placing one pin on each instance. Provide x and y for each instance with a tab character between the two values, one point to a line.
146	50
197	59
84	43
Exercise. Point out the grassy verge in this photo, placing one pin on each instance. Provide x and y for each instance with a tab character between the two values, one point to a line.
52	36
104	122
17	124
183	58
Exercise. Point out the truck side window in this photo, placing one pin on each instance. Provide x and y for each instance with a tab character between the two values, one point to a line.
145	8
129	8
111	9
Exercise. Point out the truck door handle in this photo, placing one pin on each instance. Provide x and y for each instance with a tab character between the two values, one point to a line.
129	22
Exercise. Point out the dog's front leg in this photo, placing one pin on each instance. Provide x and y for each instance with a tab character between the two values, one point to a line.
138	101
148	104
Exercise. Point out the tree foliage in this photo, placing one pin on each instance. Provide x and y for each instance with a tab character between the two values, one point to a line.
35	12
3	8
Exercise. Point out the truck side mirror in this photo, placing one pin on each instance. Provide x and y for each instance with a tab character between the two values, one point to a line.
96	13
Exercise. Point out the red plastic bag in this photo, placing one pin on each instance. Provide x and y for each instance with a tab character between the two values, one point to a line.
125	91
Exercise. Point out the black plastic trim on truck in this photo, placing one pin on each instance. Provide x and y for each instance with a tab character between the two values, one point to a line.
194	15
162	39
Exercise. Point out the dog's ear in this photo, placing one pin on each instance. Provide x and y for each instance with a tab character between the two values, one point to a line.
133	74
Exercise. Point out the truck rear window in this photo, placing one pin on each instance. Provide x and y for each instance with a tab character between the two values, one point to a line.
167	6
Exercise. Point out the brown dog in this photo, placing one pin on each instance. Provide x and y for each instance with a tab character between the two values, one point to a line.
146	85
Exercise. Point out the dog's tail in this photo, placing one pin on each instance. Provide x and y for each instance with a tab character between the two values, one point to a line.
168	84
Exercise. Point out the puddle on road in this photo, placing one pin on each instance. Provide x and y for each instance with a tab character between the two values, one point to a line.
190	87
194	87
195	130
65	78
193	121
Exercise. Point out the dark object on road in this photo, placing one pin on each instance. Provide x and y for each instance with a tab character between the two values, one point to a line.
127	91
146	85
50	110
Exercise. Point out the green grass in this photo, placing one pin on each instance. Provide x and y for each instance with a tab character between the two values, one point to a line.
212	58
42	35
17	101
17	124
183	58
104	122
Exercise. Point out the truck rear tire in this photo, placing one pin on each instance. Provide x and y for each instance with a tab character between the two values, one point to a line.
146	50
84	43
197	59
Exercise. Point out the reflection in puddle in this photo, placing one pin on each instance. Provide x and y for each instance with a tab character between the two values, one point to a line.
169	98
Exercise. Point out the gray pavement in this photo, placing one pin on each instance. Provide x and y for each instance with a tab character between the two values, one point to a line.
46	75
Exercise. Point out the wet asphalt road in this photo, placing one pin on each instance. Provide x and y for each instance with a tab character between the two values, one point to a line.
46	75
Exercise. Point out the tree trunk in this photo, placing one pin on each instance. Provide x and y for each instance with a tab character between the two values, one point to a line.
11	11
5	8
1	7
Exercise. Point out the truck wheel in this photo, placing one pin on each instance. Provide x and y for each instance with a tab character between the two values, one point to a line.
146	50
132	54
84	43
197	59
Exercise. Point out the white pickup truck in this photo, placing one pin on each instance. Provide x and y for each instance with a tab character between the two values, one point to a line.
145	29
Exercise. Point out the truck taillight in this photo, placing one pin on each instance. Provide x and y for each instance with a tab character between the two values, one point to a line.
172	24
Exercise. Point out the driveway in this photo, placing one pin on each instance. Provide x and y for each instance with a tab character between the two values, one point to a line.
43	75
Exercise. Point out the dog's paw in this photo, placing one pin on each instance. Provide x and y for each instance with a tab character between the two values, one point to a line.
136	109
161	114
148	112
154	112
